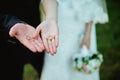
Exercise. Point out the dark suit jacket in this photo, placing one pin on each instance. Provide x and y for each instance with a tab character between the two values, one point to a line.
13	55
13	11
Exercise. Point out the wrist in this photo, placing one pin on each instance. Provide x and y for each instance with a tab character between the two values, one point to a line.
51	19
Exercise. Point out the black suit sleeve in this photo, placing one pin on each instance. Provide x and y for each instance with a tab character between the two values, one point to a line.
6	22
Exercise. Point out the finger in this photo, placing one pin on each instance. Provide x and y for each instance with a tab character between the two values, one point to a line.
40	43
38	46
28	45
45	44
53	46
12	32
34	44
56	41
37	31
50	46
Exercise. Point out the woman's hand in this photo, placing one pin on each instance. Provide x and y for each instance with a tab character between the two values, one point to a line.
49	33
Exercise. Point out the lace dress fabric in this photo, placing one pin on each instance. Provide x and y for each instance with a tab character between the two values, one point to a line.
72	18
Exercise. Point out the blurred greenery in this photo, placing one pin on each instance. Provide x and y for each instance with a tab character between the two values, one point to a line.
30	73
108	42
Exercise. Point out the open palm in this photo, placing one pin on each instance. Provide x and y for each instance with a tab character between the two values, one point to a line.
24	32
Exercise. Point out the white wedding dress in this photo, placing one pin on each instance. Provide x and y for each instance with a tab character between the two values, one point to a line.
72	17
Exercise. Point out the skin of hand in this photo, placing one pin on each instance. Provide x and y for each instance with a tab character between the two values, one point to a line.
86	38
23	33
49	34
49	28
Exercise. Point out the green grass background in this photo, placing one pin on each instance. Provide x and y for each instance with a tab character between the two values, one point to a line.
108	41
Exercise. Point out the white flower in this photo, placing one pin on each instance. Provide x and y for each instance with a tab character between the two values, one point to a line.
79	65
92	62
89	68
101	57
77	61
84	51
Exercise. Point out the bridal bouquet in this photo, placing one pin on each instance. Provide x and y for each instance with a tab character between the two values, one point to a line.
87	61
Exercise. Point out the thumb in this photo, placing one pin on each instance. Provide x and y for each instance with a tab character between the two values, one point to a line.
37	31
12	32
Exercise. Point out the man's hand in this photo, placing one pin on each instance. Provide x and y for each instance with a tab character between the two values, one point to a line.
23	32
49	32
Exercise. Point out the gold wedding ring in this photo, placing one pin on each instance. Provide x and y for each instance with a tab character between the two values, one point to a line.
50	37
28	37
